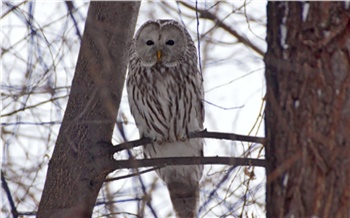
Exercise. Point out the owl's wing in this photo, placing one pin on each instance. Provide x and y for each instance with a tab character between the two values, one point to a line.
200	91
134	94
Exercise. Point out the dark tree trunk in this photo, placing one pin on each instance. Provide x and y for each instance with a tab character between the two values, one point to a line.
308	109
78	164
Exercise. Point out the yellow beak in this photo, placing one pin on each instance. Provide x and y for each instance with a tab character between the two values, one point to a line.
159	55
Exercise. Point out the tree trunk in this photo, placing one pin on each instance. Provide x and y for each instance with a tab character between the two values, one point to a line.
79	164
308	109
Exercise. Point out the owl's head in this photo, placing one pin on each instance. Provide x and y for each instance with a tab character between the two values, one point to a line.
163	41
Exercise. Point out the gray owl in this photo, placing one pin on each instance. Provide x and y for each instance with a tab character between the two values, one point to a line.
165	92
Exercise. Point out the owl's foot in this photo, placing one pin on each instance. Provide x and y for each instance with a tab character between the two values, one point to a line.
181	138
158	140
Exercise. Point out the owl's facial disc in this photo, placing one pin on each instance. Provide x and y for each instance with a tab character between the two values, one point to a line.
172	44
146	44
165	44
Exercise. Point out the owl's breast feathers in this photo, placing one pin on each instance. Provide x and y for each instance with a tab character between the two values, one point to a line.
166	102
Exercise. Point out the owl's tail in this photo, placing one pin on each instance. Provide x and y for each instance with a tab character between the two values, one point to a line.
184	198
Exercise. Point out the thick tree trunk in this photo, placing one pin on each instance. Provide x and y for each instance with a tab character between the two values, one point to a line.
78	164
308	109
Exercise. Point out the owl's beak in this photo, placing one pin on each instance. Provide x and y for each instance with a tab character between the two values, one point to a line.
159	55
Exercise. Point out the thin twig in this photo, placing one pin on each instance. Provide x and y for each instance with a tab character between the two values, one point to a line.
32	123
133	174
205	14
33	106
12	8
215	190
137	173
8	194
71	9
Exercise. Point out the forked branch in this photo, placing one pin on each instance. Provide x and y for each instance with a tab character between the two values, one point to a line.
205	14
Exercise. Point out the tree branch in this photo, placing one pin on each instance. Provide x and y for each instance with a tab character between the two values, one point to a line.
233	161
157	163
161	162
227	136
202	134
133	174
205	14
9	196
71	9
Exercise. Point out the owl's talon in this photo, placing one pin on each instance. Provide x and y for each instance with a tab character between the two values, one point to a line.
181	138
157	141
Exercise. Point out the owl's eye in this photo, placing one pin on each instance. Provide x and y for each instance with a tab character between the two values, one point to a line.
170	42
149	42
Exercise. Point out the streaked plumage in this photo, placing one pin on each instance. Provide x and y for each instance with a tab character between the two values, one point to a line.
165	92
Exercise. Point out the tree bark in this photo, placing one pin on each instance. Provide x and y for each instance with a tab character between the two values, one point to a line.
308	109
79	165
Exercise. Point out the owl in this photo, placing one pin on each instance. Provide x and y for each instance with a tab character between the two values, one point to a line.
165	93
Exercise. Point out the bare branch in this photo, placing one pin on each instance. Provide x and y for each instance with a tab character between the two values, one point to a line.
33	106
12	8
202	134
205	14
133	174
9	196
228	136
130	144
161	162
233	161
71	8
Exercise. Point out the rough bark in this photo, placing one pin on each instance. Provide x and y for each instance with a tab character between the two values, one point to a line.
79	164
308	109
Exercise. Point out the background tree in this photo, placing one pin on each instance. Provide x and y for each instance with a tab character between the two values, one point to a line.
308	109
39	65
